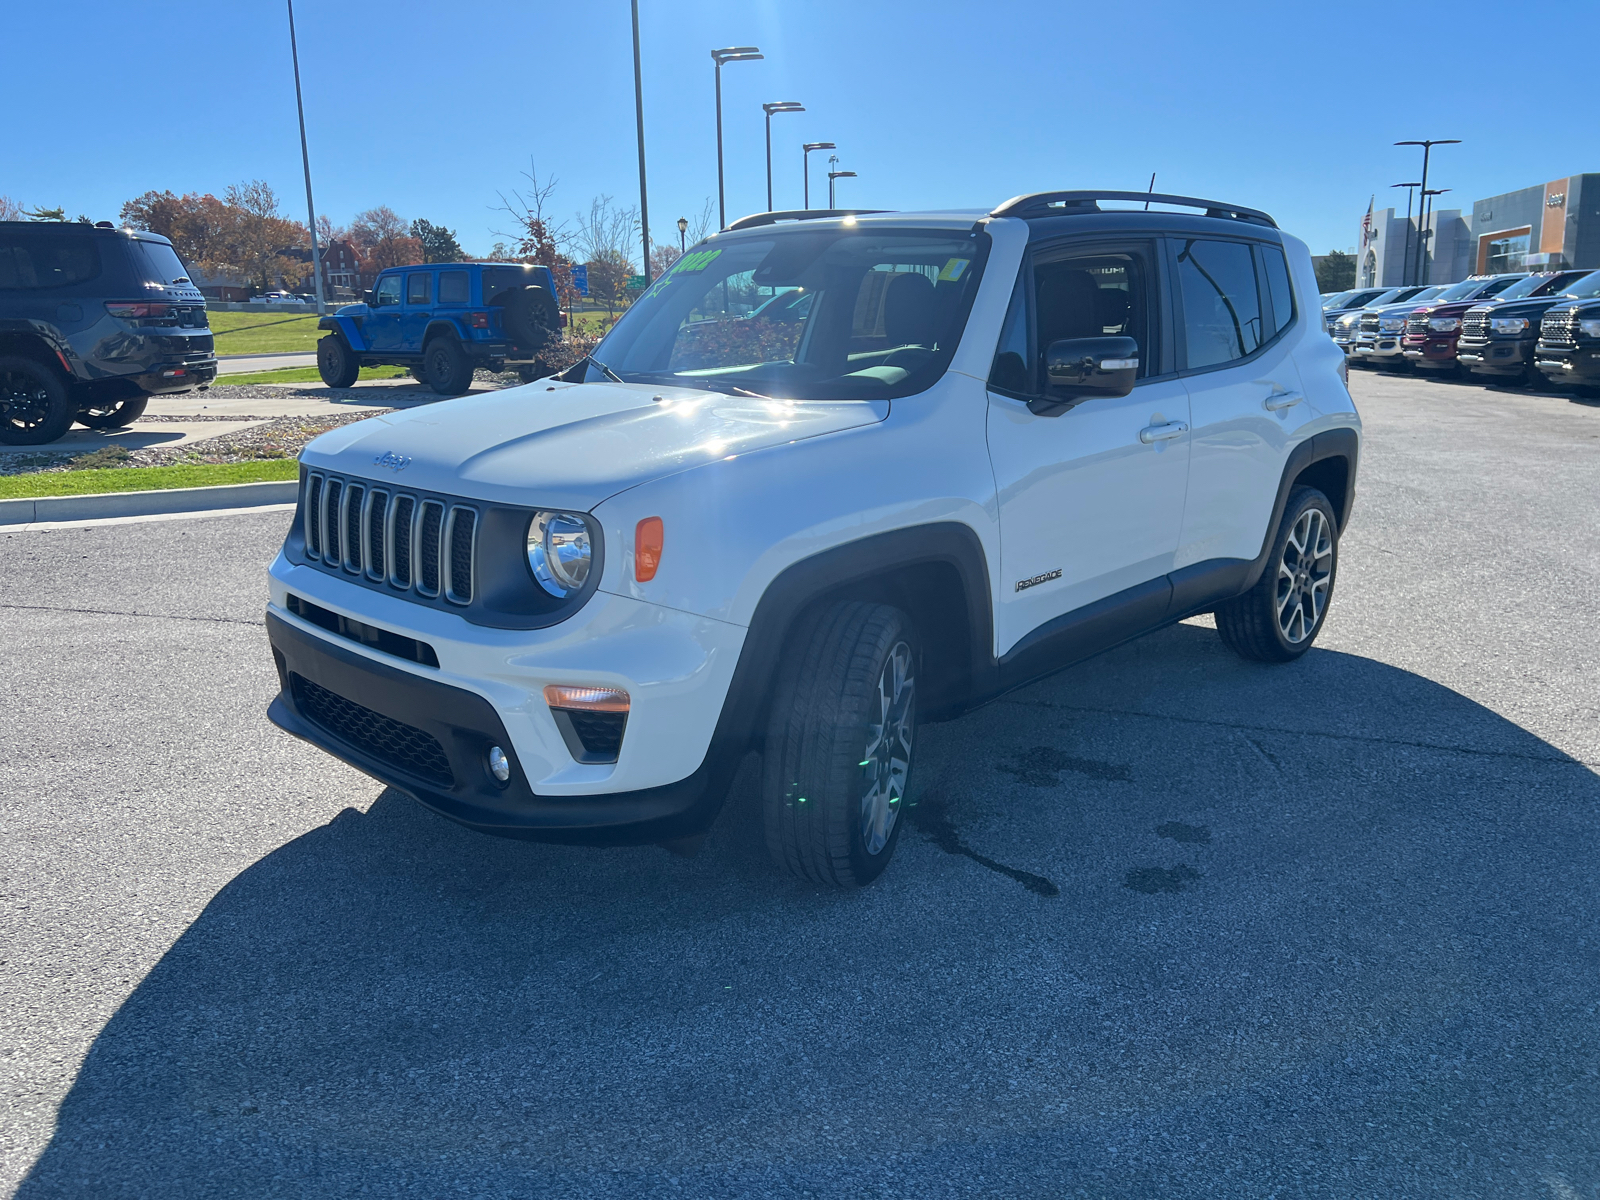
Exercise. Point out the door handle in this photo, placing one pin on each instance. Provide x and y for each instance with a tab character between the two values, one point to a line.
1279	400
1161	433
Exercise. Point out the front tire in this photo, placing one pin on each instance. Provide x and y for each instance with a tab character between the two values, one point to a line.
838	751
336	362
448	367
34	408
1279	618
113	414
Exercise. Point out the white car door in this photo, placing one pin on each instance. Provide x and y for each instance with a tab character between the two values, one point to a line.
1091	498
1244	390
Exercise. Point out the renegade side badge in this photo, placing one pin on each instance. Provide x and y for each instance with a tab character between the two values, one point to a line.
1025	584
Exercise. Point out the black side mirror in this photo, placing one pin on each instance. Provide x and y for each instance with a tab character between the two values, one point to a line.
1078	369
370	296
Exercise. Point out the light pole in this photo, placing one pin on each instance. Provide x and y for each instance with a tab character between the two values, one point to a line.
1427	145
1405	267
832	175
781	106
638	111
305	161
1427	202
683	233
727	54
809	147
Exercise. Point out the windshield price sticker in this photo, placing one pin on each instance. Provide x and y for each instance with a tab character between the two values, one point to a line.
954	269
698	261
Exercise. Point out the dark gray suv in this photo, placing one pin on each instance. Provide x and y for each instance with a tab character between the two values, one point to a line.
93	322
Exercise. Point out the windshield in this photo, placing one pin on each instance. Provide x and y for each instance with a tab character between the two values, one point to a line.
804	313
1337	300
1426	294
1525	287
1388	297
1461	291
1586	288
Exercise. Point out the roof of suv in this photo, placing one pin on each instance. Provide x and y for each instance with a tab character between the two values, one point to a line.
79	229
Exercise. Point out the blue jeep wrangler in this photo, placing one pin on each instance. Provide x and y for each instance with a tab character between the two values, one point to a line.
444	320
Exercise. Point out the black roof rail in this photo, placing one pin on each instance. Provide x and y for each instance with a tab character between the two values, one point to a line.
1056	204
801	214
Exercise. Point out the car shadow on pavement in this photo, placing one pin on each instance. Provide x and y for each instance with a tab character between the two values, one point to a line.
1350	941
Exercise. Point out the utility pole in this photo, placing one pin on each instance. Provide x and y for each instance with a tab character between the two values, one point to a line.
305	161
808	147
782	106
726	55
638	111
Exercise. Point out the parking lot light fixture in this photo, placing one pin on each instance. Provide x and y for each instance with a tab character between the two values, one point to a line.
832	175
808	147
727	54
781	106
1427	201
683	234
1405	266
1427	145
305	161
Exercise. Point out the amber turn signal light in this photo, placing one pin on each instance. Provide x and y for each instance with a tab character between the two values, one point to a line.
590	699
648	537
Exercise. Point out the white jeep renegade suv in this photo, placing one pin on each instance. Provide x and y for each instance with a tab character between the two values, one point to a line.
833	476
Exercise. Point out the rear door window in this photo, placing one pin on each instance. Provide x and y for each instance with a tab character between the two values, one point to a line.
452	287
1222	319
31	260
419	288
1280	293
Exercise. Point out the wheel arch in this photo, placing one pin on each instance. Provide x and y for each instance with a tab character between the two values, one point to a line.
442	327
30	344
937	573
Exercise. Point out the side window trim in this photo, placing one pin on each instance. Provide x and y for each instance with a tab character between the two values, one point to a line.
1178	314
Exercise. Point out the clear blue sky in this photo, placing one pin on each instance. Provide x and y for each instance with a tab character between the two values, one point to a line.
432	108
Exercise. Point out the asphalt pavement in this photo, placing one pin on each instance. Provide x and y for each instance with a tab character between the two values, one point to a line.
1166	924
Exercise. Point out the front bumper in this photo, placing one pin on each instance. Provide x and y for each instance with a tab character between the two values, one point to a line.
1430	352
1578	365
381	714
1496	356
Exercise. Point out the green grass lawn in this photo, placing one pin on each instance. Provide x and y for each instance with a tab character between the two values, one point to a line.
144	479
303	375
264	332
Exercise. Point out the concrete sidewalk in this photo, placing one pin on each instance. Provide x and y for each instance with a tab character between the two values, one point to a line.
247	364
298	399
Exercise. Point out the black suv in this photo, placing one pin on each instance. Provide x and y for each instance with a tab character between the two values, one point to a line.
93	322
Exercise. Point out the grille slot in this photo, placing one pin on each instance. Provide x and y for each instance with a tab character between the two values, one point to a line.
428	547
1369	323
1417	324
413	750
1560	328
463	536
313	516
591	737
330	522
376	519
400	570
1475	325
354	494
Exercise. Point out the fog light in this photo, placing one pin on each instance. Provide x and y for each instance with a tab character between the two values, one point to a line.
499	764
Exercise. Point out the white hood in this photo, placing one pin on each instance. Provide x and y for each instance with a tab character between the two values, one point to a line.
575	445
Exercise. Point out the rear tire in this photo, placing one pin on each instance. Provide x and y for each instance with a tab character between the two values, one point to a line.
336	362
1279	618
837	759
113	414
447	365
34	408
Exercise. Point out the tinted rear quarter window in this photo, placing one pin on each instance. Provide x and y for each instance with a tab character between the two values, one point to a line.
419	288
1221	305
1279	290
158	262
452	287
31	260
500	279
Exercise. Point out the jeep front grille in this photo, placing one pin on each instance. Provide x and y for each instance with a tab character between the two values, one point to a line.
409	543
1560	328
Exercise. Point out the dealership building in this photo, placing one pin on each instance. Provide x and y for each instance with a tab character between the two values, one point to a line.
1548	227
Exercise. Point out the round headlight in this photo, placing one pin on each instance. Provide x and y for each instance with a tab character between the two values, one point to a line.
559	552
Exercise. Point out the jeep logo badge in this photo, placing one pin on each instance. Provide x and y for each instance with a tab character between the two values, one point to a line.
392	461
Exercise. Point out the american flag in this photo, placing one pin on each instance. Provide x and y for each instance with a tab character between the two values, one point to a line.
1366	223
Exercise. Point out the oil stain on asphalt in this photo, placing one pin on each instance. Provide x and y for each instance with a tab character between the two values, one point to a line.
1042	767
931	817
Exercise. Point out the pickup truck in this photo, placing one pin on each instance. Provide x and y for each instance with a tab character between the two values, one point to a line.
1498	338
443	321
1431	331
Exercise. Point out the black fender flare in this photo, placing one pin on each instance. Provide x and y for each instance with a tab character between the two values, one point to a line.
1332	443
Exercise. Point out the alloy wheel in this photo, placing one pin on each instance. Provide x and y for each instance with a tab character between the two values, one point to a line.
24	401
887	761
1304	573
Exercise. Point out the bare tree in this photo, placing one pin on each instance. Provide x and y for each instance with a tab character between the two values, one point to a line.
538	236
605	238
700	226
10	210
259	234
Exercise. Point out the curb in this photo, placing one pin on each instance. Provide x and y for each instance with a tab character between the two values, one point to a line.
147	504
